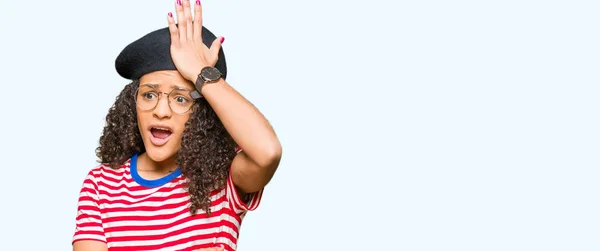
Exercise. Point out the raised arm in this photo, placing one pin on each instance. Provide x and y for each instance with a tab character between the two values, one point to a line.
254	167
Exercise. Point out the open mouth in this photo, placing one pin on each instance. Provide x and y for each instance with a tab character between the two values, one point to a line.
160	135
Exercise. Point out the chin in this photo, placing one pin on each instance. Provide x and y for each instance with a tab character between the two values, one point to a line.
161	145
160	155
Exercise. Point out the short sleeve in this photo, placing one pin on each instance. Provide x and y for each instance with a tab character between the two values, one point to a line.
240	205
88	224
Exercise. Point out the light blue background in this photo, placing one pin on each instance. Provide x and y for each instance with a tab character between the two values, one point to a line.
406	125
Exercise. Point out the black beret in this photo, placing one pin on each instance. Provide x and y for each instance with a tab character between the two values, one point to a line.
152	52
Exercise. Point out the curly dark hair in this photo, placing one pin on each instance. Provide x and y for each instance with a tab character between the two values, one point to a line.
206	153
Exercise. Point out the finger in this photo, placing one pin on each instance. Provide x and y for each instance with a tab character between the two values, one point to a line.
187	11
215	47
181	21
173	30
198	21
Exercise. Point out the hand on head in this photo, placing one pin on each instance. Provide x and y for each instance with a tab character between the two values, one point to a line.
188	51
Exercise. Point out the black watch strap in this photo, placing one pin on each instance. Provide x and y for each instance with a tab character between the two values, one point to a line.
207	74
199	83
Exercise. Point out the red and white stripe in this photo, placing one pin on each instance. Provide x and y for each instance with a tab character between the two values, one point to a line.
114	209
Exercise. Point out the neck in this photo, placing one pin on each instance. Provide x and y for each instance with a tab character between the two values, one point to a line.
166	166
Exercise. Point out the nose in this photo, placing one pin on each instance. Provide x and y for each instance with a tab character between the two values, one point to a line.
162	109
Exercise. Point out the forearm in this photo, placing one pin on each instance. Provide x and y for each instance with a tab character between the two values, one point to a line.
244	122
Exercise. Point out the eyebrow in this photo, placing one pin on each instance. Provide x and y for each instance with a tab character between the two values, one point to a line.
180	88
176	87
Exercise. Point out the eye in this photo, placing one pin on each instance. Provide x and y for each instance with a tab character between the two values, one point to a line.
181	99
149	95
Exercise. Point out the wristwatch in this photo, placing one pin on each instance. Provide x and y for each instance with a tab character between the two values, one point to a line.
207	75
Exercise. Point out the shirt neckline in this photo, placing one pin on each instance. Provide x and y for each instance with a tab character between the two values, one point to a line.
150	183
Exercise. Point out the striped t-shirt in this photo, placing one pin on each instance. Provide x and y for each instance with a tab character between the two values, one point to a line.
128	212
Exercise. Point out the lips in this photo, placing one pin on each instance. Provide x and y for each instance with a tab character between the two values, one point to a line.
160	134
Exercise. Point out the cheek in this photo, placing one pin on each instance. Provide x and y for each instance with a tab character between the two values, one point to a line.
141	121
181	121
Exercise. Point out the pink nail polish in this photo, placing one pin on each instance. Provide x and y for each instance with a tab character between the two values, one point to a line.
222	39
197	2
178	2
170	14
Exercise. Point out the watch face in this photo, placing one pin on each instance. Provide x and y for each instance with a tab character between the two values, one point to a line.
211	73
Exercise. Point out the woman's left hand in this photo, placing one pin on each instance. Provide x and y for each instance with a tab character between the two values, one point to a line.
188	52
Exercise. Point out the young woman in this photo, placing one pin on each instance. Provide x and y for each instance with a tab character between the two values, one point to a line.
184	156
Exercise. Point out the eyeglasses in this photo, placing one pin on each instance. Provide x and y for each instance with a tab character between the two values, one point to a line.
180	100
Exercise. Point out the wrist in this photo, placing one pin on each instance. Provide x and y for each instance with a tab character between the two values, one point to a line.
193	75
207	76
194	71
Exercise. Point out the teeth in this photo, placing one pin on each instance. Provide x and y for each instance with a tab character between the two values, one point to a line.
161	128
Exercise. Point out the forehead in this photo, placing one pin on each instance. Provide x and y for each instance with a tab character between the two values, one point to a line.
166	79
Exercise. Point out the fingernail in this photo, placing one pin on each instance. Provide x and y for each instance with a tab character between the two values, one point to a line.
197	2
170	14
178	2
222	39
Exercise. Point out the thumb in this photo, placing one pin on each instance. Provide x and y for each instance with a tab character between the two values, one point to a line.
216	46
